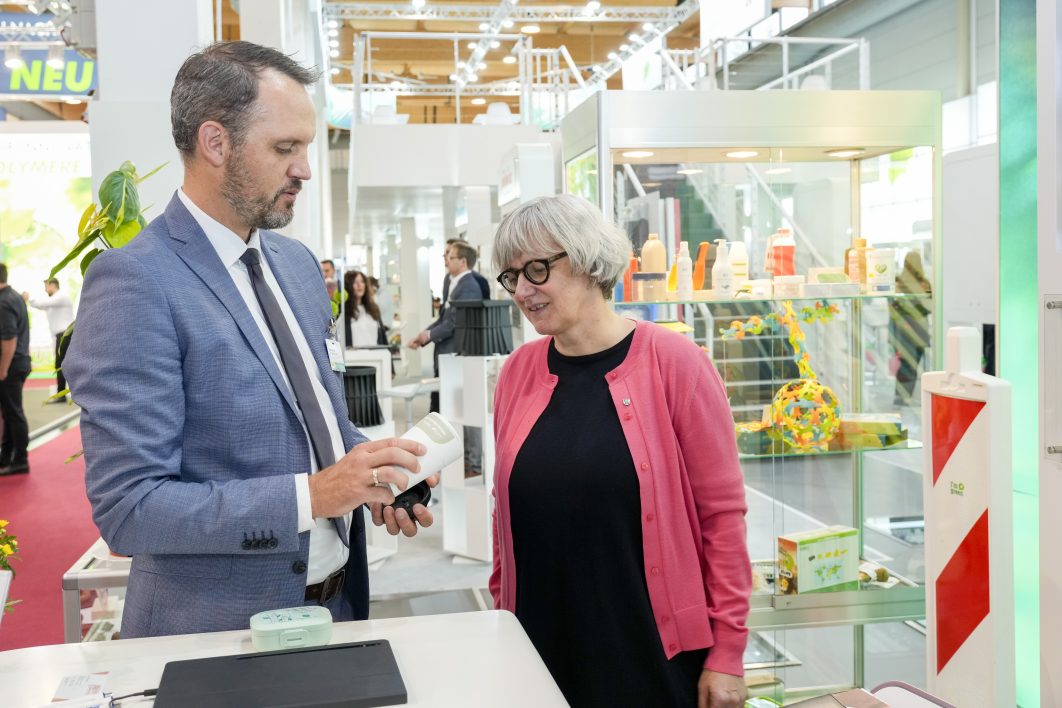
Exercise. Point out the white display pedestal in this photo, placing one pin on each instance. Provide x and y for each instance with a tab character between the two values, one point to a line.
969	529
466	397
381	359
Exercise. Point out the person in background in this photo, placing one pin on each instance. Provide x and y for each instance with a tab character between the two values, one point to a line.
362	315
484	286
218	449
60	311
460	257
619	518
15	366
328	272
381	294
909	326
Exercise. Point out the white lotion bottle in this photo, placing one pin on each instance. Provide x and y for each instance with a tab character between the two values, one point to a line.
684	274
722	273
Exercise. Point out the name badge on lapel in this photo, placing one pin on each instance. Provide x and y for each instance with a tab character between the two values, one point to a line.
335	352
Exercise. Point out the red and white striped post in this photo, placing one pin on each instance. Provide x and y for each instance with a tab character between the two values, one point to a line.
969	530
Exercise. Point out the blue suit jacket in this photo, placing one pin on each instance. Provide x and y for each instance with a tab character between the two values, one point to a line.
190	433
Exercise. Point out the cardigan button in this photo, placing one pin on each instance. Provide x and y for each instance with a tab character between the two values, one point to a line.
645	465
672	647
627	416
649	517
613	375
665	619
654	570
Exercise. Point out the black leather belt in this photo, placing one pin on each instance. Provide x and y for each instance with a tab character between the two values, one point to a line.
327	589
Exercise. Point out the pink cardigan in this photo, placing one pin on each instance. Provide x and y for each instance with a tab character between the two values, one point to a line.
677	421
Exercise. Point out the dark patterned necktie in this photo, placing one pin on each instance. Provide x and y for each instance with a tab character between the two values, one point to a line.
299	378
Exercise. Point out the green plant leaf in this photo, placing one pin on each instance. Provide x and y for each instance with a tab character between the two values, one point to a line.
124	234
85	241
118	193
141	179
89	257
89	212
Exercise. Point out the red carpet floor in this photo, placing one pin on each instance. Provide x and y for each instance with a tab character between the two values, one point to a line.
50	515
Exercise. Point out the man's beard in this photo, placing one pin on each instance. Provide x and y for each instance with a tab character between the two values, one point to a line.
257	211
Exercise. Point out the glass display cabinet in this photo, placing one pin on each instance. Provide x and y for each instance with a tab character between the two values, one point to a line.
820	365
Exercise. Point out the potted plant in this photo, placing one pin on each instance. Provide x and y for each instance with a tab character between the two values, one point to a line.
8	552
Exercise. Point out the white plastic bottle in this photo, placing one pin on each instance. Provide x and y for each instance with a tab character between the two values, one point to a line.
684	279
739	262
722	273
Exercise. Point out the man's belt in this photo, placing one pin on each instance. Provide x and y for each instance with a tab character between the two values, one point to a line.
327	589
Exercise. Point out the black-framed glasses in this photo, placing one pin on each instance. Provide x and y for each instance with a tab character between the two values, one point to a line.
536	272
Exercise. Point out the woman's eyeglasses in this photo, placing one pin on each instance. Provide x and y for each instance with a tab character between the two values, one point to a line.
536	272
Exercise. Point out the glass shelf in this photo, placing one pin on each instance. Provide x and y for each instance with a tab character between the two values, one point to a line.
738	301
905	445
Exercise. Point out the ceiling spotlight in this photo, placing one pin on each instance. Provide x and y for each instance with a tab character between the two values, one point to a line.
689	171
849	152
332	24
478	101
13	57
453	77
334	53
508	59
483	27
592	6
638	153
334	70
508	24
460	65
613	56
624	47
530	29
482	66
635	38
595	68
648	27
471	45
494	44
473	78
418	4
742	154
333	32
56	57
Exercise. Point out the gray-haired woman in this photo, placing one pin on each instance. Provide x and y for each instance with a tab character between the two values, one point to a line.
619	525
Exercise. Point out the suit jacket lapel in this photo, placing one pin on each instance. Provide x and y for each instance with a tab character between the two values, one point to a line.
197	252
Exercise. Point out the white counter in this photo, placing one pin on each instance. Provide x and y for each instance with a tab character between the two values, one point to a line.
468	659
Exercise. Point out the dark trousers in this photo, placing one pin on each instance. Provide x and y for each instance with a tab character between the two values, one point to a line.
16	429
61	343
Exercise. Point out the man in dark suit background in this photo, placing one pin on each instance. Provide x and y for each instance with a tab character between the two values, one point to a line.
460	259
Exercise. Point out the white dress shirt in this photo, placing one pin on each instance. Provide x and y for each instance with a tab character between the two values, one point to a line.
364	331
327	552
58	308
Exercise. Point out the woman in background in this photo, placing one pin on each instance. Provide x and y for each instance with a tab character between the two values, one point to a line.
619	523
909	326
362	313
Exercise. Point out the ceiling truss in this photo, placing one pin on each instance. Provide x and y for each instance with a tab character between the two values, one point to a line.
356	11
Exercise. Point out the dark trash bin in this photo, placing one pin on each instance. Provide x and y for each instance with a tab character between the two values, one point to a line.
363	405
483	327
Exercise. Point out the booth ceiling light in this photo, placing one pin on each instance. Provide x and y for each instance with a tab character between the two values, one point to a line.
56	57
638	153
530	29
13	57
647	27
494	44
613	56
509	59
624	47
592	6
847	152
483	26
778	171
742	154
689	171
471	45
508	24
333	32
418	4
334	53
333	24
478	101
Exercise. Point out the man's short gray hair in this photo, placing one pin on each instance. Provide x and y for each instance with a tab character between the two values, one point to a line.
564	222
220	83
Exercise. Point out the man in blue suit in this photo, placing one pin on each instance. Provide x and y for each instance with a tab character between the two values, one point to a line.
217	445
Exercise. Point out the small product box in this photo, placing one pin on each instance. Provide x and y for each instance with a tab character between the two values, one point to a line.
820	560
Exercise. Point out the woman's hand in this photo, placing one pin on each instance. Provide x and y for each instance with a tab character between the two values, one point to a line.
716	690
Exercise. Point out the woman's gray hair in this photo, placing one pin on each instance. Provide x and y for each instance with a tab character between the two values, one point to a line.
564	222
